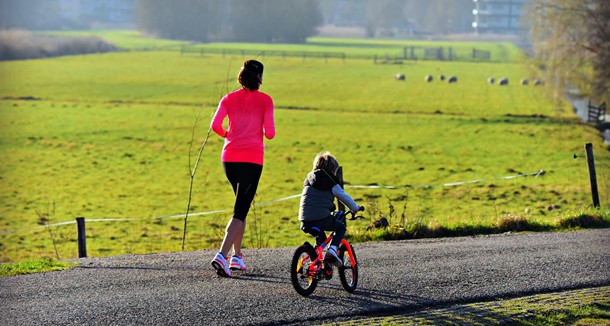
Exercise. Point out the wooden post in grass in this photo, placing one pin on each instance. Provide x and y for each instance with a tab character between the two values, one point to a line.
340	205
81	238
592	175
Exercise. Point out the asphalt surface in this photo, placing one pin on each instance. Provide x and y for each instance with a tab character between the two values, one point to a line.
395	277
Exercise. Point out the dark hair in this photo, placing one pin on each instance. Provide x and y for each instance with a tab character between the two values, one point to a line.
251	74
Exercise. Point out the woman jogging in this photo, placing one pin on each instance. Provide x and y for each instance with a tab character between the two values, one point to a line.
250	114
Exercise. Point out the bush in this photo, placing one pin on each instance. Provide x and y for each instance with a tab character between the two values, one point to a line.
21	44
591	219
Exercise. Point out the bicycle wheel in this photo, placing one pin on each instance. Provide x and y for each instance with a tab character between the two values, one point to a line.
348	273
303	283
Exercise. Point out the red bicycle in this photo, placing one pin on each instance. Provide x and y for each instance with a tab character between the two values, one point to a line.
308	265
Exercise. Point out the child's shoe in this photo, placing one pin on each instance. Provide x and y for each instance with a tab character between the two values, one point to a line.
220	264
332	257
237	263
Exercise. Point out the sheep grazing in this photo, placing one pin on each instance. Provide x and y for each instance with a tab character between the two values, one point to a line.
538	82
452	79
525	82
399	76
491	80
428	78
442	77
503	82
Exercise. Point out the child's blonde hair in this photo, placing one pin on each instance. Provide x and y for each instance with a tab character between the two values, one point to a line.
325	161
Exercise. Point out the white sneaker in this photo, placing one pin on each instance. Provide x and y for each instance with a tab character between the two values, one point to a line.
237	263
332	257
220	264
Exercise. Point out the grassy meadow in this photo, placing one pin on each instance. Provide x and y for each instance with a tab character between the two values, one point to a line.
352	48
113	138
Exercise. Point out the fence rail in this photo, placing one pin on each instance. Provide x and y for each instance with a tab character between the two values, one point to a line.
408	53
132	235
273	53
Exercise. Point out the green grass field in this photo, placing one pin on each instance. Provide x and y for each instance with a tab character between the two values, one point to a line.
352	48
110	137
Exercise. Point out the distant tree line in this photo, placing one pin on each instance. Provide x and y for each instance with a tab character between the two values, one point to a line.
286	21
37	15
230	20
388	17
29	14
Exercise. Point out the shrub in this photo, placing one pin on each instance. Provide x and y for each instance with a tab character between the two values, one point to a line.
21	44
592	219
511	222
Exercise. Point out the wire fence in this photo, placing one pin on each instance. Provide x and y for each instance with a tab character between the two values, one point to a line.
185	50
408	53
540	196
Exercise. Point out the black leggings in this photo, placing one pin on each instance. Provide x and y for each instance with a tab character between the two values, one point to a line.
244	179
329	223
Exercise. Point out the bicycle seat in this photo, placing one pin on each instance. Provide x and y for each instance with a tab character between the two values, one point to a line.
314	231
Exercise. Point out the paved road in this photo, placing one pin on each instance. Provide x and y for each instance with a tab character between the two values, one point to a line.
395	277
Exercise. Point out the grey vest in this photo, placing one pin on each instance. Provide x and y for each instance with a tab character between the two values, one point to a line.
317	199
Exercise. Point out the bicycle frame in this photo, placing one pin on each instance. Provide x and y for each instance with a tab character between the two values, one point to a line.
317	264
308	267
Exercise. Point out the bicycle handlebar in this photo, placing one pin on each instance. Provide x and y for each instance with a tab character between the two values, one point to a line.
353	215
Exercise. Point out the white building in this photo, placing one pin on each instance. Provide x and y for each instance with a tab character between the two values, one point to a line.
498	16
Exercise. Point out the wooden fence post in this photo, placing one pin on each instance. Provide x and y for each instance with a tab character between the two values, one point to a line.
81	238
340	205
592	175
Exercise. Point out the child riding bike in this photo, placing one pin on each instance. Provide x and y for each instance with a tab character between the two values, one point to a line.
320	189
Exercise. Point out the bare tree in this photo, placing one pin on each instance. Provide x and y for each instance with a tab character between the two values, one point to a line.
194	20
275	21
382	16
571	43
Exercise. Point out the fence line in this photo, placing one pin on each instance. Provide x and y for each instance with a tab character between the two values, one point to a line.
406	204
178	216
449	184
412	53
276	53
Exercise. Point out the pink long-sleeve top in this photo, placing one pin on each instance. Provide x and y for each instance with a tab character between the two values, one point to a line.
250	115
